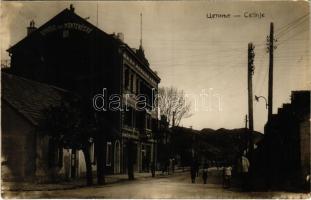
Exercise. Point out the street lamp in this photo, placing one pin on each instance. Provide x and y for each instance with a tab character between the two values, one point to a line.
258	97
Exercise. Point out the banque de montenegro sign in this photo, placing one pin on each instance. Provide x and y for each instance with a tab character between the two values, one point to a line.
66	26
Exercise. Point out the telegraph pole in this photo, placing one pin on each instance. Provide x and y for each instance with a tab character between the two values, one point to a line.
271	47
250	74
141	30
245	140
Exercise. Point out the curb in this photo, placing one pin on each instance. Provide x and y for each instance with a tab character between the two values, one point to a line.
71	187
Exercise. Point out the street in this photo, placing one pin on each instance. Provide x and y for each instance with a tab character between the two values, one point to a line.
163	186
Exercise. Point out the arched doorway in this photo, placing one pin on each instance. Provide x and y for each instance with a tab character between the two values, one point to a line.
117	153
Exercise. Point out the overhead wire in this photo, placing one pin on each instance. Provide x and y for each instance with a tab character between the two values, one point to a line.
286	26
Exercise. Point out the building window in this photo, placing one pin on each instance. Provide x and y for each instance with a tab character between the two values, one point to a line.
108	154
128	117
138	119
132	82
148	122
137	86
126	78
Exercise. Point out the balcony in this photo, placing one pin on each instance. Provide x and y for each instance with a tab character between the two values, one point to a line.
130	132
145	134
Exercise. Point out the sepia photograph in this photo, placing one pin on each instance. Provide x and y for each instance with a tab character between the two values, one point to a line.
155	99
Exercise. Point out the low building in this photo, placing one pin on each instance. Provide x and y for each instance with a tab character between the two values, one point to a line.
27	153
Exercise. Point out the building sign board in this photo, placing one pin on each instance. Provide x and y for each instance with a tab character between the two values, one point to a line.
66	26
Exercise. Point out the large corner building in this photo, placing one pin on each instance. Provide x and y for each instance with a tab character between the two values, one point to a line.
70	53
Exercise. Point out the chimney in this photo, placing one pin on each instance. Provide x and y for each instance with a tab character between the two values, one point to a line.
120	36
31	27
71	8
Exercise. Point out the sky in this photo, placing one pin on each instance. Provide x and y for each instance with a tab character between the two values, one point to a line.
204	57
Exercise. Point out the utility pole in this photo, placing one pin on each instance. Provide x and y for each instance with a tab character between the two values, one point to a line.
141	30
250	74
245	141
271	47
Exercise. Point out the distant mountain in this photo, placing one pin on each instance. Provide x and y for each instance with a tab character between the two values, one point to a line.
228	142
238	132
220	144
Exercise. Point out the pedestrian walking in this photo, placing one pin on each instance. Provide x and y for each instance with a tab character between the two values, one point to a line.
152	169
167	168
245	167
197	168
307	183
205	170
227	176
193	173
170	166
173	165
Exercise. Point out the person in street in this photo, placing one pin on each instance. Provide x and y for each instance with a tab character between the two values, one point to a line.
170	166
223	177
193	172
227	176
307	183
152	167
205	170
245	168
167	168
197	168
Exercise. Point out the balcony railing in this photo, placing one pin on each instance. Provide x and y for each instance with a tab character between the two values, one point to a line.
145	134
130	130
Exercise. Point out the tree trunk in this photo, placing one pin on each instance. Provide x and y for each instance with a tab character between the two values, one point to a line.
130	161
87	157
100	149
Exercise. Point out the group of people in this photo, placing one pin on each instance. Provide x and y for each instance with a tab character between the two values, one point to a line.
242	168
195	171
227	172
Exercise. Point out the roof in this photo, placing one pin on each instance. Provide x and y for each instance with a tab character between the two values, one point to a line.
68	14
28	97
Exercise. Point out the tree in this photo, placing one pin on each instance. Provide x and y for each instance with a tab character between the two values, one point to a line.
172	103
100	142
71	125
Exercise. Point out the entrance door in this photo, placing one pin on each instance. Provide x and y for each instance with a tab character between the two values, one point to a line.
125	159
117	154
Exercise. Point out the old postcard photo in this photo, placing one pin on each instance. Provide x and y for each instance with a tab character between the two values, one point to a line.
155	99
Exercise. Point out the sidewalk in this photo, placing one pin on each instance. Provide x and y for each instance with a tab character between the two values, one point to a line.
73	184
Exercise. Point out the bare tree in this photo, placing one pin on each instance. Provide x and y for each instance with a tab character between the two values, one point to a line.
172	103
